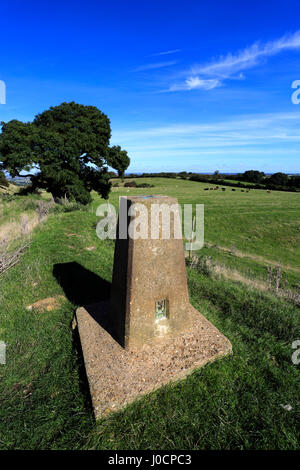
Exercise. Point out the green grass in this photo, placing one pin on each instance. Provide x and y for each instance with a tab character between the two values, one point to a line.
246	183
260	223
12	208
250	268
233	403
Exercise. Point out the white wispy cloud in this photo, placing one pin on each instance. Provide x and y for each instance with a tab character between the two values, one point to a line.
231	66
263	135
265	129
193	83
173	51
156	65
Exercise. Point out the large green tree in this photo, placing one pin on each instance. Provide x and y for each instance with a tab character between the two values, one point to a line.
67	146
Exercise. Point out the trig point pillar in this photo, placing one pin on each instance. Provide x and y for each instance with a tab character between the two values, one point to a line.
149	296
148	333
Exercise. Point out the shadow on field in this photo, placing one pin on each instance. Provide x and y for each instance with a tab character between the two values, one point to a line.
80	285
82	288
83	380
85	289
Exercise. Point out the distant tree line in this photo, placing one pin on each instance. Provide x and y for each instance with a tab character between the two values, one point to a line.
258	179
153	175
275	181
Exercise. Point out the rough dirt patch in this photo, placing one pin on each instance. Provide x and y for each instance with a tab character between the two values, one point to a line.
47	305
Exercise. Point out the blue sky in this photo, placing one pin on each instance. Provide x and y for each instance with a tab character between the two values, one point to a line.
188	85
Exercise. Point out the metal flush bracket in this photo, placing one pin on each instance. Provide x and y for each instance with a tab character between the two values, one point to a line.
161	309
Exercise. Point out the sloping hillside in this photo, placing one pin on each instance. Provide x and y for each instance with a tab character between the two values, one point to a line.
247	401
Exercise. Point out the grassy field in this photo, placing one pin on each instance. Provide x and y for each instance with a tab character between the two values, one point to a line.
257	223
238	402
247	183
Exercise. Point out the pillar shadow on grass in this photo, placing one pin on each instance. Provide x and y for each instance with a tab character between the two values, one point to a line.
83	288
86	289
83	380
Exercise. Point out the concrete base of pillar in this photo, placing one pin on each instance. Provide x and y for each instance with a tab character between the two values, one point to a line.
117	376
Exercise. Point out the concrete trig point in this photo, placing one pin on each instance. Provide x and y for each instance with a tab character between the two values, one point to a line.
149	333
149	296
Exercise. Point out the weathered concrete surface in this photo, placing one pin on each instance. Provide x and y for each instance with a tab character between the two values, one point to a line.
118	376
149	333
147	271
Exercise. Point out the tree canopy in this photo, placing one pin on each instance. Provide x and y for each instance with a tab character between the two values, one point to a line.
68	146
118	159
279	179
253	176
3	180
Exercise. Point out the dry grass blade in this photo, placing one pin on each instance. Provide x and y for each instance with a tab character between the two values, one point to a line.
9	258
